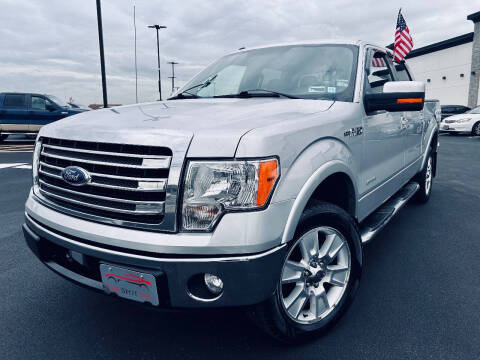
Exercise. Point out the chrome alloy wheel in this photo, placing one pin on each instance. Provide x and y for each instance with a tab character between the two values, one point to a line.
315	275
428	176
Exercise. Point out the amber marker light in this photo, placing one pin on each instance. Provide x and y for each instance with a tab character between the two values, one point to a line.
267	175
409	101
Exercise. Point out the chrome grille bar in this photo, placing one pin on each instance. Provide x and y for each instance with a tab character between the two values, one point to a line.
162	183
68	200
124	201
152	164
127	183
63	148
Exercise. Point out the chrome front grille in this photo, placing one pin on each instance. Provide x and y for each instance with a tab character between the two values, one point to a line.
450	121
128	183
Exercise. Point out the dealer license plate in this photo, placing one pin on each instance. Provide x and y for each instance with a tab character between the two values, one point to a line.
129	284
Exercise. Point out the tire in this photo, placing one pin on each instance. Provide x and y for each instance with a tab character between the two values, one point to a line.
476	129
281	323
425	180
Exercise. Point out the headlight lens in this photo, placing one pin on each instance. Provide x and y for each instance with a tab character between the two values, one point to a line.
213	187
35	160
463	120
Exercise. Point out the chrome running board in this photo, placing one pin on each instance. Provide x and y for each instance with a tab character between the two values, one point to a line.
382	216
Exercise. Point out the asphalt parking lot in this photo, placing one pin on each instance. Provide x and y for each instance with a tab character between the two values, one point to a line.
419	297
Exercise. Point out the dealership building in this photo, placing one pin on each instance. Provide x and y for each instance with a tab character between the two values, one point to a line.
450	68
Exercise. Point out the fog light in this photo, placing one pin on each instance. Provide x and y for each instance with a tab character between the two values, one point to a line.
214	283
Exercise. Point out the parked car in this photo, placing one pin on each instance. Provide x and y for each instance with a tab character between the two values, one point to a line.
449	110
256	185
26	113
463	123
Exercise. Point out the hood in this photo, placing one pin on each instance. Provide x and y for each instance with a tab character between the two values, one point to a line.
214	126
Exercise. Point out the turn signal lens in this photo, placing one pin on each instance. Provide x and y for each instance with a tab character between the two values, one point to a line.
409	101
267	175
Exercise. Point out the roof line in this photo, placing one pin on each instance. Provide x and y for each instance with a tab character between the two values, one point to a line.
441	45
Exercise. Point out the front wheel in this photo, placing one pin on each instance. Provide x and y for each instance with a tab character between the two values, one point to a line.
319	277
476	129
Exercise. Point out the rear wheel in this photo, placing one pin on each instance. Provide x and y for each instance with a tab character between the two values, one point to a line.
425	180
319	277
476	129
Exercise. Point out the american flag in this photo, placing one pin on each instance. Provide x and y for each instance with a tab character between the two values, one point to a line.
403	41
378	62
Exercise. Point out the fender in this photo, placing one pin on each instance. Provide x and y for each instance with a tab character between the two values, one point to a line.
324	171
427	148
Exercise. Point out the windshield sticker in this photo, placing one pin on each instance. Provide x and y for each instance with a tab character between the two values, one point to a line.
332	89
317	89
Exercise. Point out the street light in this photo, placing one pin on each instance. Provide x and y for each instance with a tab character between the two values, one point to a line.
173	63
102	56
158	27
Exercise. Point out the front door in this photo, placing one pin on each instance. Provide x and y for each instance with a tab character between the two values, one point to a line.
383	156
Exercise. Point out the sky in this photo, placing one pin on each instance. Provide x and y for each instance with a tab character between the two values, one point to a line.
51	46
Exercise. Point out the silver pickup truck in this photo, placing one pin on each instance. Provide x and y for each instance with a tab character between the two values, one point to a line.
256	185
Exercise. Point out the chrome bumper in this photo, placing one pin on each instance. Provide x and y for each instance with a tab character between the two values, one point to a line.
248	279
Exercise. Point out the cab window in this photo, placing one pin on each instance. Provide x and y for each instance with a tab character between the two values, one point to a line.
14	100
379	72
38	103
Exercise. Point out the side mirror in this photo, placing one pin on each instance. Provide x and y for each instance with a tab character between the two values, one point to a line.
50	107
397	96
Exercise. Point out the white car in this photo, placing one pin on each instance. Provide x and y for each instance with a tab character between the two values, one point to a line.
467	122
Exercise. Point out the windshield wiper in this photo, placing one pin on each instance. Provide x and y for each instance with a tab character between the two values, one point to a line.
252	93
194	96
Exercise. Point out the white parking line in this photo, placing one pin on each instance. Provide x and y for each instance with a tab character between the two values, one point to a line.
16	166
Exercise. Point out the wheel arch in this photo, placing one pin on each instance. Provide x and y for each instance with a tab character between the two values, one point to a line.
327	179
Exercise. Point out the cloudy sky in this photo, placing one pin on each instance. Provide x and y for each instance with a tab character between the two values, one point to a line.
51	46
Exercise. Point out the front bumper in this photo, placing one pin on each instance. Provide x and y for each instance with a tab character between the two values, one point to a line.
456	127
248	279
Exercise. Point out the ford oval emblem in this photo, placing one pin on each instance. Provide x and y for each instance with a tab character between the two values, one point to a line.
76	176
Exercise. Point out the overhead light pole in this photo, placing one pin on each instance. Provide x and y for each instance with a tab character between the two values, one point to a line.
173	63
158	27
102	56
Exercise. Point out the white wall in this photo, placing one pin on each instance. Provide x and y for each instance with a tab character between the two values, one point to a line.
450	63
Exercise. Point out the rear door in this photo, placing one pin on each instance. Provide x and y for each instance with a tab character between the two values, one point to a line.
383	138
14	113
411	123
42	112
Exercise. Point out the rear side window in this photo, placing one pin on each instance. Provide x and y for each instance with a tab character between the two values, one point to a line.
17	100
401	72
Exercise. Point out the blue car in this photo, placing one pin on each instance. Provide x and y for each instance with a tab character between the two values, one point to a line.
26	113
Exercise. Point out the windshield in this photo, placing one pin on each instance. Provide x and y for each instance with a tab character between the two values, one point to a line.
57	101
304	71
474	110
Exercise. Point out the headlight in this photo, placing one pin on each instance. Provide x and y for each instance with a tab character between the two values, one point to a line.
35	160
213	187
463	120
